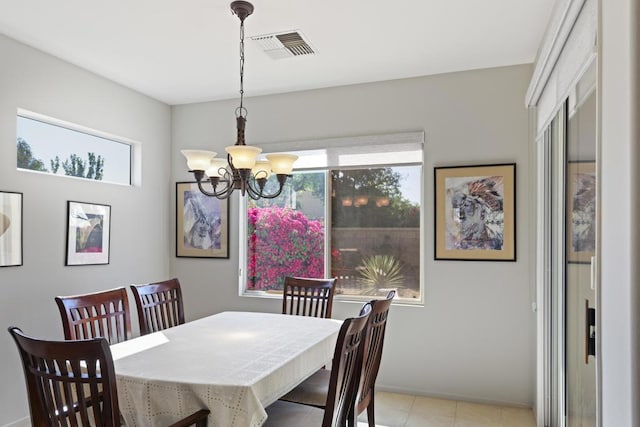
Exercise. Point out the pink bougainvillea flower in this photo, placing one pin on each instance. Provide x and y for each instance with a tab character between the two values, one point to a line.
283	242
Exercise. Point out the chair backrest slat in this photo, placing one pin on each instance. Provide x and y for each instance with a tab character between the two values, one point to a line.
159	305
345	370
373	349
64	384
100	314
308	297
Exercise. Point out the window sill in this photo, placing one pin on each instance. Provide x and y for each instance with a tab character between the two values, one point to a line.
356	299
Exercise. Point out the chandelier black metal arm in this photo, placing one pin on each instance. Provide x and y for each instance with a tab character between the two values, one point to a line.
238	179
259	192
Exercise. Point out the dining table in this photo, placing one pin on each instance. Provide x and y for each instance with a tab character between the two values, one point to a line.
233	363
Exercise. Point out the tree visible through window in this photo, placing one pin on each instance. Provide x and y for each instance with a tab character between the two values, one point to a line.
375	230
49	148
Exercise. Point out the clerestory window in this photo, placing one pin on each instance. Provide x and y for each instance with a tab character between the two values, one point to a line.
51	146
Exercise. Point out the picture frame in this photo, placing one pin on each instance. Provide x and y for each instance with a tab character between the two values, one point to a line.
202	223
11	252
581	211
475	212
88	233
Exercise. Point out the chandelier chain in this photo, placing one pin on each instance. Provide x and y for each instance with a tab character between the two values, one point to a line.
241	67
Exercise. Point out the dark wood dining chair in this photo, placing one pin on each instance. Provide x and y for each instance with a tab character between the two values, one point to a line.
99	314
73	383
159	305
313	391
343	383
373	355
308	297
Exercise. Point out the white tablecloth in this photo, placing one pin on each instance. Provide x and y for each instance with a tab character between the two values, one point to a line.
233	363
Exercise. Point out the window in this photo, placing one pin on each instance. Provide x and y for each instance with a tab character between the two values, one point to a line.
351	216
50	146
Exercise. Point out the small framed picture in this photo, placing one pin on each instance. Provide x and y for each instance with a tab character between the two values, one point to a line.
202	223
475	212
581	211
10	229
88	233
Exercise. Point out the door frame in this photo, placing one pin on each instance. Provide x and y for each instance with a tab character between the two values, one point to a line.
550	271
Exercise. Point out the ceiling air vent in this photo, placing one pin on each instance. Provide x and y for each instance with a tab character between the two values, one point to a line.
284	45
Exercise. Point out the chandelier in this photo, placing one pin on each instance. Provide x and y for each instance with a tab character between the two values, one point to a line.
241	170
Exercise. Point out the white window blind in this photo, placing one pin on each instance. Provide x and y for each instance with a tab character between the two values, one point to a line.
568	50
371	150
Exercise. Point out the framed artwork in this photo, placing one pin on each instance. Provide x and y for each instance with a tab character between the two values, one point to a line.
10	229
202	223
581	211
88	233
475	212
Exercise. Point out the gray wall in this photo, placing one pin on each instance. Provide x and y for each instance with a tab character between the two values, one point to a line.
474	337
140	223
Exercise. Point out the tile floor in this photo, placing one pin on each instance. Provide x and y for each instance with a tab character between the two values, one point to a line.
403	410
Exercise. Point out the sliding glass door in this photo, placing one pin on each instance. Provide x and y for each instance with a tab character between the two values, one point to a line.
580	260
570	239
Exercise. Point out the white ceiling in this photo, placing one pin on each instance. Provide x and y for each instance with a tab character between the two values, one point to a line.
183	51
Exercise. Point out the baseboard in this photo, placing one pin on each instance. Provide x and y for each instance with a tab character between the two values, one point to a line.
382	387
24	422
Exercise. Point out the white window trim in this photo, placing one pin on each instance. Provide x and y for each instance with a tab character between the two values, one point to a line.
135	166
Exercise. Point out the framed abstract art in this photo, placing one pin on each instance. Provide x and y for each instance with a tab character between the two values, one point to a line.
88	233
581	211
475	212
202	223
10	229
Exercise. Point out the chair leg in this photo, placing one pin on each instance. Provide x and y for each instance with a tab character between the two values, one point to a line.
352	417
371	417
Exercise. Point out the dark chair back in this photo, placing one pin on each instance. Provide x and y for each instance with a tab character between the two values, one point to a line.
345	370
373	353
100	314
69	383
159	305
308	297
73	383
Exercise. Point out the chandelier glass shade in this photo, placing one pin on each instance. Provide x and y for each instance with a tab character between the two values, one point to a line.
241	169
